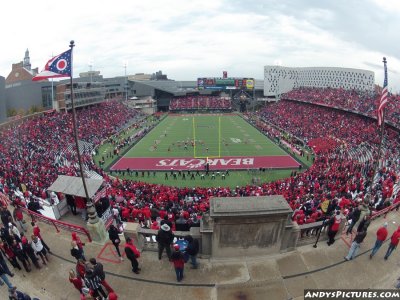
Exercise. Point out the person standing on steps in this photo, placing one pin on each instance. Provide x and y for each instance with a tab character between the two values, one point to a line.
113	235
79	243
20	254
164	238
98	270
36	231
192	249
3	262
360	236
19	218
93	282
76	252
26	246
352	219
39	249
381	236
394	241
334	224
76	281
4	278
132	253
178	260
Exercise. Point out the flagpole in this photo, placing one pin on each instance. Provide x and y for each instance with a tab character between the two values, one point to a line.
382	125
89	204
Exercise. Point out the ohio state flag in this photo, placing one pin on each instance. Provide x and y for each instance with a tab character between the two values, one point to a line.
58	66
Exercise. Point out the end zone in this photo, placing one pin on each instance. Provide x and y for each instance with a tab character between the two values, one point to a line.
221	163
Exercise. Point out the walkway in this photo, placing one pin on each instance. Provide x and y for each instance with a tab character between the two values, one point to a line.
282	276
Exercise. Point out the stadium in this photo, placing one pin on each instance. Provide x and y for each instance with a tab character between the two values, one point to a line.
308	135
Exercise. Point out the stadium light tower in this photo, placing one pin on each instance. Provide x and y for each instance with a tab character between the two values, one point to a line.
90	70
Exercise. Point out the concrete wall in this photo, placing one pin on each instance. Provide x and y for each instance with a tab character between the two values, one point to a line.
24	95
139	89
3	110
247	236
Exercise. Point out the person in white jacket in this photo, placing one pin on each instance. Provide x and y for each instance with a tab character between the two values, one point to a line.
37	246
14	230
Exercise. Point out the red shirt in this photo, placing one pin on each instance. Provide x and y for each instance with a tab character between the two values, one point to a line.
382	234
395	237
18	215
36	231
81	269
178	263
77	282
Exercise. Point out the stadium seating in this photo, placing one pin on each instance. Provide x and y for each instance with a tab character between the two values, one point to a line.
200	103
358	101
345	144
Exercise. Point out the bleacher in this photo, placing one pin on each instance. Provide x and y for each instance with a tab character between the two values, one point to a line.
190	103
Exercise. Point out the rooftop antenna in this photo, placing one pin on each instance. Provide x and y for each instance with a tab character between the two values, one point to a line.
126	82
90	70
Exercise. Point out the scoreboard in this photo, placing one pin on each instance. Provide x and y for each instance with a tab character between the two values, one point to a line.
213	83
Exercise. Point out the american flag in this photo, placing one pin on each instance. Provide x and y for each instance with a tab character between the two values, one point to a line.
384	96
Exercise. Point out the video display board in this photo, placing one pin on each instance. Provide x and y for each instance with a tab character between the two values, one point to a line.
214	83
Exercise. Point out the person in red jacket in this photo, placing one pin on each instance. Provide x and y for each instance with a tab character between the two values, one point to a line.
76	281
132	254
334	224
19	218
178	261
80	268
381	236
394	241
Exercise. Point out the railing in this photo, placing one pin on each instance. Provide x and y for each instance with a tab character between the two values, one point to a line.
385	211
309	232
147	238
56	223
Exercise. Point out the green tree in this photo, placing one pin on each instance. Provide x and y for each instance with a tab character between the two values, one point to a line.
11	112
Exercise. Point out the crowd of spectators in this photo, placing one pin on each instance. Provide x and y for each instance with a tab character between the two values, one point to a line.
27	156
200	103
332	134
35	152
364	102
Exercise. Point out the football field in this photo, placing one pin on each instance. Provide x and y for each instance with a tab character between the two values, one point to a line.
191	141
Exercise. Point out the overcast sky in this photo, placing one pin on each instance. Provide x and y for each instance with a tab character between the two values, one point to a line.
189	38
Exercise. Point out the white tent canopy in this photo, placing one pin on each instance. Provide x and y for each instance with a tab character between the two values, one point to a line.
71	185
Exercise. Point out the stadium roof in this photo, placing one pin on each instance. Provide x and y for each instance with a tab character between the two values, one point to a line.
71	185
181	88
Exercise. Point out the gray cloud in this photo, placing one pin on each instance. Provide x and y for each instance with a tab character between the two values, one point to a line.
187	39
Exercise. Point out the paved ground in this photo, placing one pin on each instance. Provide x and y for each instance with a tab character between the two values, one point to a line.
282	276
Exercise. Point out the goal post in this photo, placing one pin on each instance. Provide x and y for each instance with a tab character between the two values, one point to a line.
194	138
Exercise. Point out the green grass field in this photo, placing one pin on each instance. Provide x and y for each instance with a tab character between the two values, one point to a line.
214	136
236	136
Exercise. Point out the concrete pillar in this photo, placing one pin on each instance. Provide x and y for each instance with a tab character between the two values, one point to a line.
131	230
206	231
98	232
